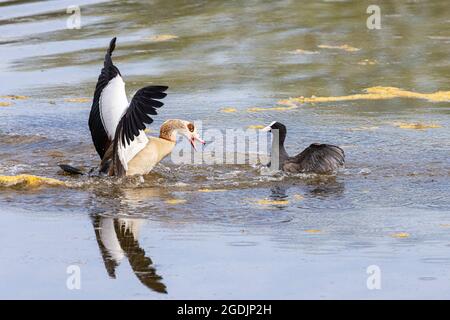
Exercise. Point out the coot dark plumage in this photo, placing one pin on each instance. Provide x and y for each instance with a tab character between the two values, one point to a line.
317	158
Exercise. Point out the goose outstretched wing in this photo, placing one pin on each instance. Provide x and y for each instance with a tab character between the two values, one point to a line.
109	104
130	137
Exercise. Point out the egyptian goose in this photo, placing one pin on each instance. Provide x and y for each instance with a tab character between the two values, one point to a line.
117	127
317	158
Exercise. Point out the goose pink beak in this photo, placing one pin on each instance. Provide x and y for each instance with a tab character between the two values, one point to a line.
192	141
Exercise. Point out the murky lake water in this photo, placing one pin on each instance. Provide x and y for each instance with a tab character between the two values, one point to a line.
229	231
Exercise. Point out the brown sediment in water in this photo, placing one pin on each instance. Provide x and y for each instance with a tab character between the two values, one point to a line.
301	51
55	154
20	139
363	128
28	181
344	47
445	225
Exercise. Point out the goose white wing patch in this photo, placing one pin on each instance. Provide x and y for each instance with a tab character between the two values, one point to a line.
128	152
108	105
113	104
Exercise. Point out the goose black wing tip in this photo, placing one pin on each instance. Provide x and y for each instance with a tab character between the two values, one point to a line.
108	56
112	45
155	88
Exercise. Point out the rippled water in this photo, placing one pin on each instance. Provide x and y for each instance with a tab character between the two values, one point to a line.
229	231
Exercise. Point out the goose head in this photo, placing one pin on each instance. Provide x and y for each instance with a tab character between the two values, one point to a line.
190	132
171	128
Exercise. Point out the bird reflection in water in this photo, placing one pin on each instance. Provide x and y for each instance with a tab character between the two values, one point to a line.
117	238
320	187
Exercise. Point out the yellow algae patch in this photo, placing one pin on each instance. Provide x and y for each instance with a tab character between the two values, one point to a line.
78	100
373	93
256	126
25	180
366	62
278	108
4	104
175	201
265	202
417	125
298	197
162	37
14	97
301	51
211	190
400	235
228	110
313	231
396	92
344	47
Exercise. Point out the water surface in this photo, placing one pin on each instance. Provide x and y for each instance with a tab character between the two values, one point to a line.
257	235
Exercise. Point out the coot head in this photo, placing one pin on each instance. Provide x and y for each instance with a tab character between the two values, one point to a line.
276	126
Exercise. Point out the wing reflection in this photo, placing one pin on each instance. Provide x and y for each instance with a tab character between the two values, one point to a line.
118	238
321	187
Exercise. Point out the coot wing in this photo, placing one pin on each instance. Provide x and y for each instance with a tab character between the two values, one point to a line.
317	158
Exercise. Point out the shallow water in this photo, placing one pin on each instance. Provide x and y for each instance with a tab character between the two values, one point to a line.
229	231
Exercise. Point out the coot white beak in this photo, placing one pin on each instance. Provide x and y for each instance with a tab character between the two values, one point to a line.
266	129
